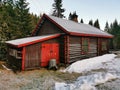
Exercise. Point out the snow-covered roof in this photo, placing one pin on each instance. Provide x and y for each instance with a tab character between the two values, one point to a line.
79	28
30	40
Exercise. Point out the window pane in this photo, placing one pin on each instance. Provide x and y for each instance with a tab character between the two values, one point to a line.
84	45
104	46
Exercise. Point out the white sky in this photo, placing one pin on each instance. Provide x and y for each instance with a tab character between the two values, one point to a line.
104	10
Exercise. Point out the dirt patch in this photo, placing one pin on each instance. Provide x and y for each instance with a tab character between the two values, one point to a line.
67	77
112	85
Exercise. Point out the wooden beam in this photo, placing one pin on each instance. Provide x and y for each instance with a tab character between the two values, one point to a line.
23	59
68	42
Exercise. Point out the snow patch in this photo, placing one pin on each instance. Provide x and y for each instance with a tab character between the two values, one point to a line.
86	82
89	64
89	82
5	67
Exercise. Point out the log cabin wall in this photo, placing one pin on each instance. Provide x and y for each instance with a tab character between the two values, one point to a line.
66	48
93	45
48	28
75	48
62	49
103	46
14	56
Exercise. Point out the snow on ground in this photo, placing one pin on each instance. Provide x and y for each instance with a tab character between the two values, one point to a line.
89	64
90	80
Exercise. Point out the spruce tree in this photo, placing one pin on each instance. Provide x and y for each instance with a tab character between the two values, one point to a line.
106	27
81	21
96	24
70	15
57	9
15	22
91	22
73	16
114	29
23	19
6	11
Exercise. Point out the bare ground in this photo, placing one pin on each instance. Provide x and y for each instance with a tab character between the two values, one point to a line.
33	80
44	79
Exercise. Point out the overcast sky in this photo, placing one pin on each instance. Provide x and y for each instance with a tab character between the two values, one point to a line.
104	10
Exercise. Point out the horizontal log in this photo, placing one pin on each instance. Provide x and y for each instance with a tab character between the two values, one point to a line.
72	50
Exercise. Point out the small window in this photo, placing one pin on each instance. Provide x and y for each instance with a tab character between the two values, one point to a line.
85	46
18	55
104	45
15	53
12	52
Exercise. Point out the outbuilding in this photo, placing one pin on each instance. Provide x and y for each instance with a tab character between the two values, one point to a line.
64	40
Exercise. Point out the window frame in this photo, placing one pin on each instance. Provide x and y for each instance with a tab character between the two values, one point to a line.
83	46
15	53
103	45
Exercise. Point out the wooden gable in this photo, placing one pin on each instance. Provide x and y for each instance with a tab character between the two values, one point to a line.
48	28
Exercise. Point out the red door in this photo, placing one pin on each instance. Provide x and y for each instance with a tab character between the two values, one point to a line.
49	51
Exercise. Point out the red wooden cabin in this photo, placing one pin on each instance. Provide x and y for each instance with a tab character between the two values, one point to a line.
55	38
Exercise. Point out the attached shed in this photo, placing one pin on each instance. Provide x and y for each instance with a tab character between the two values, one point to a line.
64	40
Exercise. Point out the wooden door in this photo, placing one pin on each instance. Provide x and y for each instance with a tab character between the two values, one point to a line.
48	52
32	56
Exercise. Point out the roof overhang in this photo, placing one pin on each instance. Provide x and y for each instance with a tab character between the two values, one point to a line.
12	42
90	35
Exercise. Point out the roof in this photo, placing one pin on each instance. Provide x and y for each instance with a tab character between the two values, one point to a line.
31	40
74	28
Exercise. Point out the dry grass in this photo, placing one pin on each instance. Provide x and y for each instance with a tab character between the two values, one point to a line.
2	63
41	79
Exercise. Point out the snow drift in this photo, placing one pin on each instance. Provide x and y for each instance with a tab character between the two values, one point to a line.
89	64
88	82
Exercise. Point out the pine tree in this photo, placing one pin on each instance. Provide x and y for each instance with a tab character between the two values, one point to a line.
70	15
15	22
34	19
107	27
81	21
58	10
91	22
114	29
6	11
73	16
96	24
23	19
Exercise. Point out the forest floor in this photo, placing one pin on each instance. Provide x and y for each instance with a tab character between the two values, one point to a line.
43	79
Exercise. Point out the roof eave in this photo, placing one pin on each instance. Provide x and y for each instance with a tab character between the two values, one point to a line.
90	35
36	41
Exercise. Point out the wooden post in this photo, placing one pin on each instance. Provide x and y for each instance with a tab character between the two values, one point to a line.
66	42
99	46
23	59
65	49
108	46
68	57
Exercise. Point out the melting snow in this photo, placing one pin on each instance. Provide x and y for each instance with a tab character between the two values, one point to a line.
89	64
88	82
